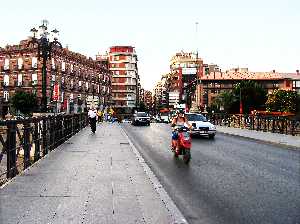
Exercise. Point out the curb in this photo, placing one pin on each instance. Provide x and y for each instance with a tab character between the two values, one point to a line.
286	146
177	216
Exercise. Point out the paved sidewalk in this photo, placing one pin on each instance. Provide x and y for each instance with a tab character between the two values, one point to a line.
275	138
92	178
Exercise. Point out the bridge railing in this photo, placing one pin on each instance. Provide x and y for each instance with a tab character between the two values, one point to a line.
275	124
23	142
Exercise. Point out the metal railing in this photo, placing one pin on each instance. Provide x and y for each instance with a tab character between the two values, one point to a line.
267	123
23	142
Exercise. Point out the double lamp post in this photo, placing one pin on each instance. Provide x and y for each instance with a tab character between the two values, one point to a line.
45	47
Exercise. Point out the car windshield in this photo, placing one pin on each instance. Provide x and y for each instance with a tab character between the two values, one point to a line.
142	114
196	117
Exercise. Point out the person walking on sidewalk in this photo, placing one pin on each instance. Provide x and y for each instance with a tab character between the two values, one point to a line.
92	114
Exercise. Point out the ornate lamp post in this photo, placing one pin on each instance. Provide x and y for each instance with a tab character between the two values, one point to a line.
45	48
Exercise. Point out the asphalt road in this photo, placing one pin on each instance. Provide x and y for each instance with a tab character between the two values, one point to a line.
229	179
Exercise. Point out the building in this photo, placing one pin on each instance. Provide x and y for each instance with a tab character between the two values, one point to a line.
216	82
73	80
185	68
148	99
125	79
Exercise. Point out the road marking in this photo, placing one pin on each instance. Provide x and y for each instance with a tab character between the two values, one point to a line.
175	213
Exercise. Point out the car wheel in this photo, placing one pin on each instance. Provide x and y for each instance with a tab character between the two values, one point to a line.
211	136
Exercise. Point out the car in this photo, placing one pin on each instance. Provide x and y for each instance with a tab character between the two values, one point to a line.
125	121
201	126
140	118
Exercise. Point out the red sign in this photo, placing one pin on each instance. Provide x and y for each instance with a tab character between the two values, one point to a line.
55	92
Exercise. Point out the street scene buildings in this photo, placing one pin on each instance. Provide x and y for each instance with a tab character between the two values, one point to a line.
74	82
196	84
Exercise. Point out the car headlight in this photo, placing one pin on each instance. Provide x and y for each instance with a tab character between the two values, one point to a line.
213	127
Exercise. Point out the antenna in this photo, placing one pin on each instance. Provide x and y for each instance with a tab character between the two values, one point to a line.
196	39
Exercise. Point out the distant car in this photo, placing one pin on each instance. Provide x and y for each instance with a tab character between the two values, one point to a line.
140	118
200	125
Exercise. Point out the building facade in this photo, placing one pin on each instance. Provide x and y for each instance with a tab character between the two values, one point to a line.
216	82
185	68
125	79
73	81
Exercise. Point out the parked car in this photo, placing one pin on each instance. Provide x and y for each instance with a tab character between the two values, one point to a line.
140	118
200	125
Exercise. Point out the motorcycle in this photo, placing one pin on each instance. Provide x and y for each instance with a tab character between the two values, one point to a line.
185	143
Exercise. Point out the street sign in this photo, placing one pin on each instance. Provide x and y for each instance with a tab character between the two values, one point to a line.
55	92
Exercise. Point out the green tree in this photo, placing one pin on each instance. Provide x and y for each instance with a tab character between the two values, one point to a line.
142	107
283	101
224	100
252	95
24	102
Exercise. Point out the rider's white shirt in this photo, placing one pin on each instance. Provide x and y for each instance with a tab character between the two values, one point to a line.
92	113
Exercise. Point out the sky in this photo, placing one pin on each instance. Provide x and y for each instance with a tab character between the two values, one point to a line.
259	34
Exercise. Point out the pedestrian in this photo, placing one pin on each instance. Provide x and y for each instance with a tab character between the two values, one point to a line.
99	114
92	114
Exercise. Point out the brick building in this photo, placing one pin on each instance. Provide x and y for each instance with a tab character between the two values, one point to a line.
73	80
125	78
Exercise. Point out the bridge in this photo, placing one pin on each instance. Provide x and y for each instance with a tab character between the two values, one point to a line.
60	172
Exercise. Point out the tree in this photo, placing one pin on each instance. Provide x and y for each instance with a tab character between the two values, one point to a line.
252	95
142	106
24	102
224	99
283	101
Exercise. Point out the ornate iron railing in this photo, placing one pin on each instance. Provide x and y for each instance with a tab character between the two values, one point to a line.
275	124
23	142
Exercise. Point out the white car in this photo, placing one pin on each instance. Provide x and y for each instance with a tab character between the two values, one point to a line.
200	125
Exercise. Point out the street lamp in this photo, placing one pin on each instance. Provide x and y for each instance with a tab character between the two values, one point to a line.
45	48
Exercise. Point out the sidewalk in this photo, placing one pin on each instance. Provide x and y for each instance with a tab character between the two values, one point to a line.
274	138
92	178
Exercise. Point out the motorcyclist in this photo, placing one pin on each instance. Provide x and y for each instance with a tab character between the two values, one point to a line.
179	120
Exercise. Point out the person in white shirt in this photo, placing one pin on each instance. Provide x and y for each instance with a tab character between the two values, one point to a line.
92	114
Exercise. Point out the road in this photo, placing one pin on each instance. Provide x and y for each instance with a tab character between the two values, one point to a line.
229	180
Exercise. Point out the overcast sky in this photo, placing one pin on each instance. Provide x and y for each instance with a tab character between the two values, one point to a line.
259	34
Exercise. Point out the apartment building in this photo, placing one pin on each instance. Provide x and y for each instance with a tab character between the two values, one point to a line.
125	79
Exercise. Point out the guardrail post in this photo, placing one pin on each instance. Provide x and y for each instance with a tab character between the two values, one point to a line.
11	149
26	144
44	137
37	145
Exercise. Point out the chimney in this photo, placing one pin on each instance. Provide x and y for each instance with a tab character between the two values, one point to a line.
274	71
297	71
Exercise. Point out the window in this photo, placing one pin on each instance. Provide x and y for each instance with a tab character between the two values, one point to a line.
71	67
62	97
53	78
6	64
5	95
34	62
20	63
63	66
20	79
53	63
6	80
87	85
117	73
79	83
34	79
